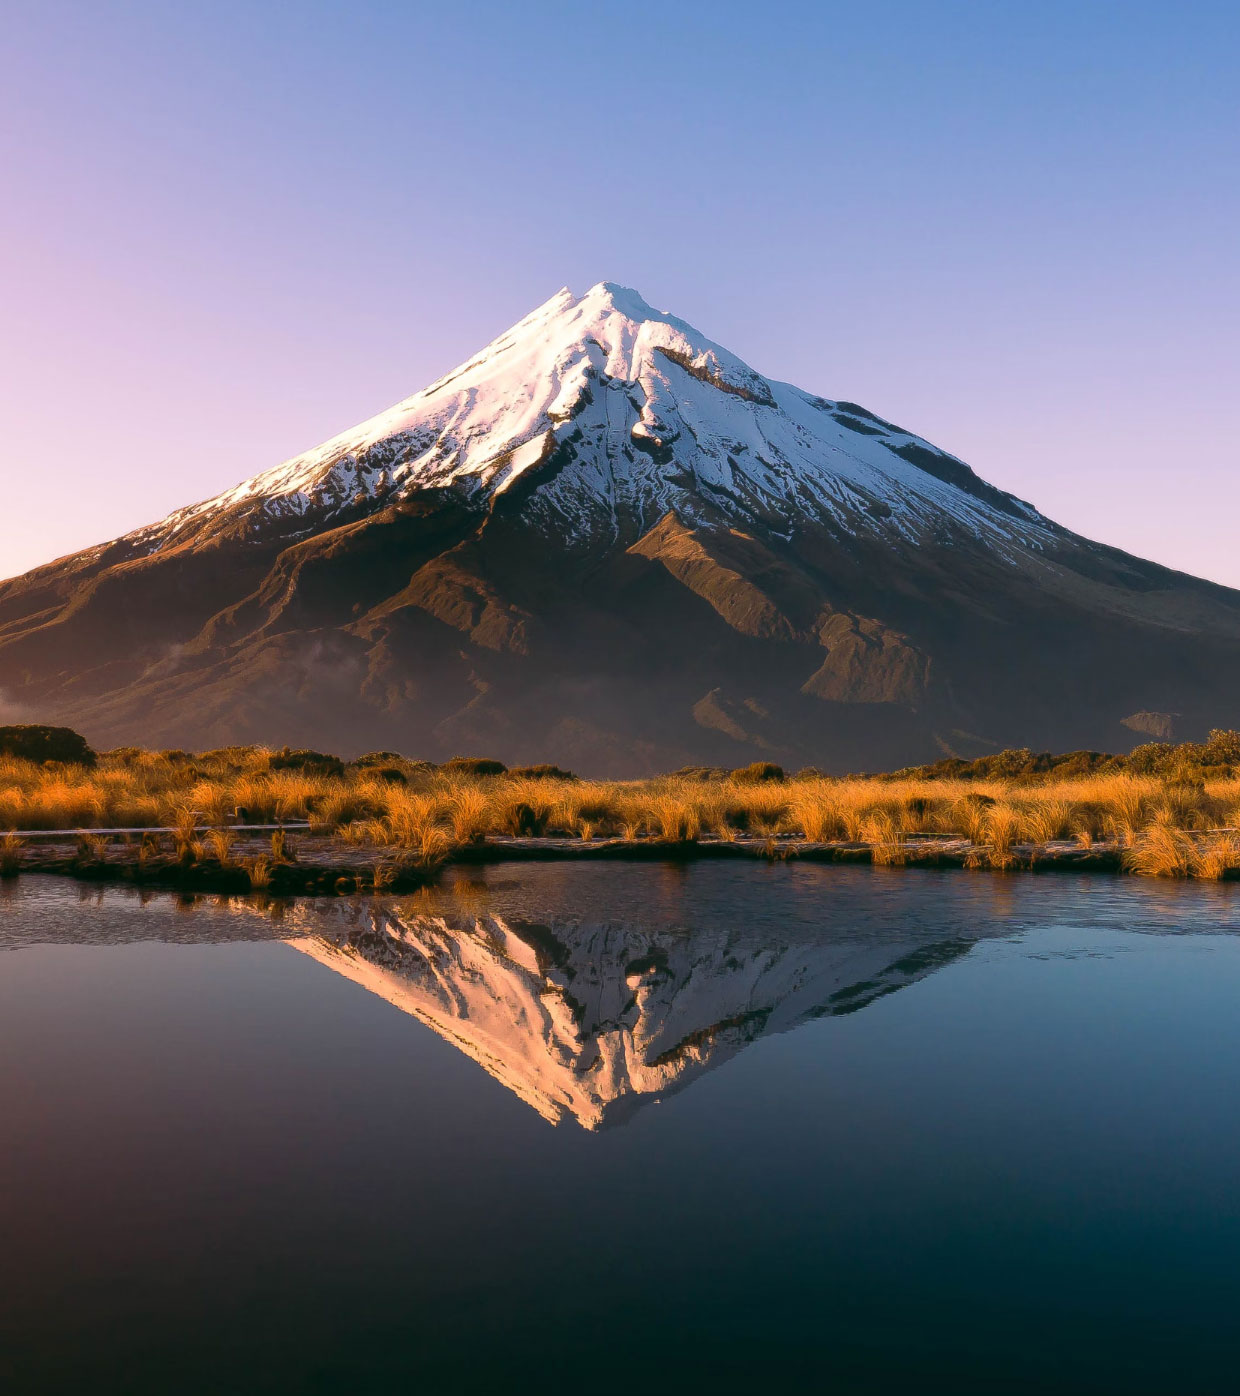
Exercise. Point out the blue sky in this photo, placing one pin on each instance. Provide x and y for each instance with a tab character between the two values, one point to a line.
232	230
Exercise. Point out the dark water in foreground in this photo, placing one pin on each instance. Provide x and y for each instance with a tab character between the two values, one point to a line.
624	1129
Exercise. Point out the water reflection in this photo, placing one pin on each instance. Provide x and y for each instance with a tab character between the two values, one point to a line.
205	1184
589	991
591	1019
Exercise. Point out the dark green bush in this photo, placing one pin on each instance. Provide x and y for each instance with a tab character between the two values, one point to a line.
1012	762
392	775
474	766
1079	763
1170	761
35	742
758	771
312	763
1222	748
1015	763
237	758
949	768
382	758
1148	758
541	773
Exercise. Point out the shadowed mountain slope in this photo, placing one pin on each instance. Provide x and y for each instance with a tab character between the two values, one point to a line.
605	541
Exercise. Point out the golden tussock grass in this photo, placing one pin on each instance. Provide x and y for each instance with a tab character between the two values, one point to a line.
1167	826
885	837
1163	851
10	855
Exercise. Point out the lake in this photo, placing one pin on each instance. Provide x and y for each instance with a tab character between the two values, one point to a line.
613	1128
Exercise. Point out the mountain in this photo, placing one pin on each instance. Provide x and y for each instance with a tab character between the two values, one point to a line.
606	541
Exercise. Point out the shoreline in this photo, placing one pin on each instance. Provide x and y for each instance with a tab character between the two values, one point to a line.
323	865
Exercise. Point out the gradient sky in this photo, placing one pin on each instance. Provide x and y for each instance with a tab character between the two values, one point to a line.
230	230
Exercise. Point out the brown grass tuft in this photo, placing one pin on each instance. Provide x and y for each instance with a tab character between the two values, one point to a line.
885	837
1159	851
10	855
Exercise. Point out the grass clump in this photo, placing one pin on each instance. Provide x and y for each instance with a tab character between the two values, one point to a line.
1160	851
10	856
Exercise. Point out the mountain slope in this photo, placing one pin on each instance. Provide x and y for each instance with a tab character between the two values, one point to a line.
606	540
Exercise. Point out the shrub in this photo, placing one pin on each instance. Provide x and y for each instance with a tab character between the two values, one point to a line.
34	742
1079	763
949	768
237	758
473	766
1014	763
758	771
390	775
540	773
315	763
1148	758
382	758
1222	748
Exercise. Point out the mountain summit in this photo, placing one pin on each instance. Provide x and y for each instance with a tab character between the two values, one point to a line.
654	416
608	541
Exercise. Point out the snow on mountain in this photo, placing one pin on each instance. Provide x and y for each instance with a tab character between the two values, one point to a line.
617	413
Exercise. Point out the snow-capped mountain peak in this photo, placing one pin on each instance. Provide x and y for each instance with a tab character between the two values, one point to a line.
616	413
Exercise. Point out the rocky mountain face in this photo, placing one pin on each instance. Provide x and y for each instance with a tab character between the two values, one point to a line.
607	542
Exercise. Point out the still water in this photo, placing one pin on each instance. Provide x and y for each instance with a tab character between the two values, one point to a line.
600	1129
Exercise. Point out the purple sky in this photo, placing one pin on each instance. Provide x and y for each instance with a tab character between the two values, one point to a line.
231	230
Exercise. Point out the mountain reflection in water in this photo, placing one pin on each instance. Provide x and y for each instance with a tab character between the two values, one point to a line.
591	1018
227	1170
590	989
